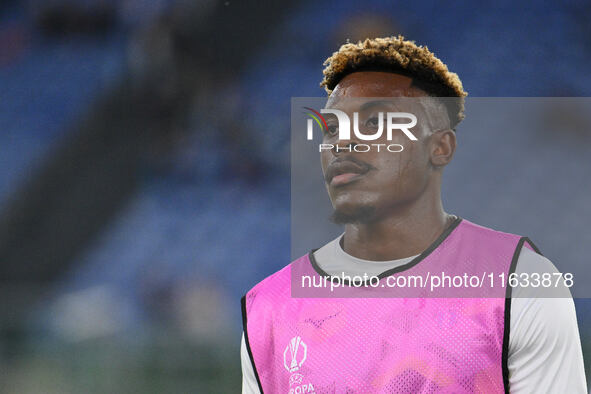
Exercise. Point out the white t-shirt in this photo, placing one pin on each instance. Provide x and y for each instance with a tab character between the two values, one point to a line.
545	354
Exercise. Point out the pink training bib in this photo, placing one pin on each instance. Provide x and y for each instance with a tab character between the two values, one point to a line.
387	345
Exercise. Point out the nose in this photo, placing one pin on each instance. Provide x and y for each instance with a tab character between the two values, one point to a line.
344	145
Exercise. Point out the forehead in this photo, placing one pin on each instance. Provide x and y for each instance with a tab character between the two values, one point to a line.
374	89
376	84
372	84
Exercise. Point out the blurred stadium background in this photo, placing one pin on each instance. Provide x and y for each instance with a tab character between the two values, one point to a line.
133	214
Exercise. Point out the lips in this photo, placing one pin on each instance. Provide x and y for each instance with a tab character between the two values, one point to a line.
342	172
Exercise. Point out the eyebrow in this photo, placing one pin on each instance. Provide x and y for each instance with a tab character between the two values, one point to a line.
375	103
367	105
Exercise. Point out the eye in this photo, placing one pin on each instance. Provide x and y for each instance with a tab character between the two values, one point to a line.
373	122
332	130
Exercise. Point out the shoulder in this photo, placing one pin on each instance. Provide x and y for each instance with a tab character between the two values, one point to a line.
273	286
539	277
479	232
485	239
545	351
532	261
540	314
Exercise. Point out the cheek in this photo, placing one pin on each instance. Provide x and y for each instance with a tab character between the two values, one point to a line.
404	168
400	161
324	160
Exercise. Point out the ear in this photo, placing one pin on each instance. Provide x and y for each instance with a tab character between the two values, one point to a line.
443	146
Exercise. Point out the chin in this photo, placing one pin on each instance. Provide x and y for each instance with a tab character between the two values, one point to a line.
359	214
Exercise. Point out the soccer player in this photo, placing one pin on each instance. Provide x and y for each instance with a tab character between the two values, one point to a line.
394	224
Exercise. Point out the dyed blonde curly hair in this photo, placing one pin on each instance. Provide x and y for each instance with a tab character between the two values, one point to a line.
395	54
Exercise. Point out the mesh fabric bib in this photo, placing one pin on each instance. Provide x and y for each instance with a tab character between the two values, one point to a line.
387	345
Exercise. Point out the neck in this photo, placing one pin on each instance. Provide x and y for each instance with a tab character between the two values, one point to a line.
403	232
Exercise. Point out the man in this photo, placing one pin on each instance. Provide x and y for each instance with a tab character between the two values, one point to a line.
395	226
